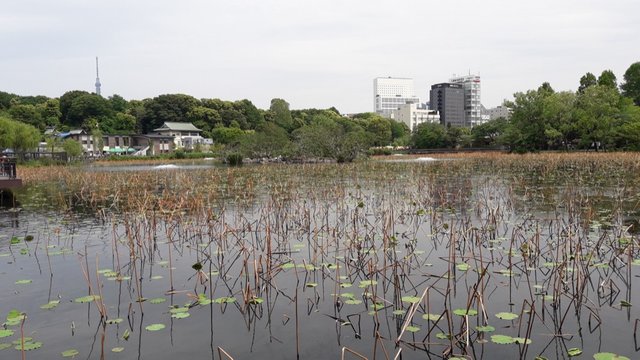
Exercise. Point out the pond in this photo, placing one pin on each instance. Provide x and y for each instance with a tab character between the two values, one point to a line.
512	256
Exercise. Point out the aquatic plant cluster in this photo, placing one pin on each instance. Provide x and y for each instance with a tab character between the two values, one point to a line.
468	257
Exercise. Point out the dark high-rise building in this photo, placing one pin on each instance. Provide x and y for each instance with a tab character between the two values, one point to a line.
448	100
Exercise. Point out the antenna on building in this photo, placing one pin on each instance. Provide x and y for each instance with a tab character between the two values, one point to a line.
97	79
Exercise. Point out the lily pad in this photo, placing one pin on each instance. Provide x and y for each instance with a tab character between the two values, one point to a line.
180	315
311	284
465	312
70	353
519	340
225	300
502	339
86	299
5	333
114	321
412	328
28	346
487	328
609	356
506	316
410	299
117	349
288	265
157	300
353	302
4	346
462	266
574	352
431	317
50	305
365	283
23	282
155	327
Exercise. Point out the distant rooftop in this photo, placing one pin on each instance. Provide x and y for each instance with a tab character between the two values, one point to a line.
178	126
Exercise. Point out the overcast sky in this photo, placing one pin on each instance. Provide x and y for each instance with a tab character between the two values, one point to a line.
311	53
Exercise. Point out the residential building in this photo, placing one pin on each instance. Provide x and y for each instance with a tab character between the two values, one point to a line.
448	100
498	112
89	143
412	115
472	103
185	135
389	93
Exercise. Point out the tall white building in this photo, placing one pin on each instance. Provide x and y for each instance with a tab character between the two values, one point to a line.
411	115
389	93
472	104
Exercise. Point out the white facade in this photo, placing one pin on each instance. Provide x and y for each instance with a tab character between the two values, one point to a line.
389	93
411	115
472	102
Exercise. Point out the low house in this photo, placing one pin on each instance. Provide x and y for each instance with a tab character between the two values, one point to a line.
185	135
152	144
89	143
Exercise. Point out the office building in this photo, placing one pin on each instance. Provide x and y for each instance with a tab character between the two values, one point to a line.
389	93
448	100
413	116
472	104
498	112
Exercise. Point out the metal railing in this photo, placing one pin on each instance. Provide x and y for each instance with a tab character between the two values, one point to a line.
7	167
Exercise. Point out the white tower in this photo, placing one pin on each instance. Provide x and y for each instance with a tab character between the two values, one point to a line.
97	79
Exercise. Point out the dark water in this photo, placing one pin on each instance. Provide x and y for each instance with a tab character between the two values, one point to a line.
556	252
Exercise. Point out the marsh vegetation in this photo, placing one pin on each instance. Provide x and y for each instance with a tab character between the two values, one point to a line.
469	257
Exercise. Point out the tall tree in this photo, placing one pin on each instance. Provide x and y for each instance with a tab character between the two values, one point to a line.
587	80
168	107
631	85
281	114
66	100
608	78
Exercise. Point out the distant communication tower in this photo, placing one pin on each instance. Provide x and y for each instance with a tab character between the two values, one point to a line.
97	79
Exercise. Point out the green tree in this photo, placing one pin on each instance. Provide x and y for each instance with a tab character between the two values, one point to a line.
269	141
608	78
17	135
166	108
227	136
596	110
560	119
281	114
72	148
631	85
324	137
429	136
28	114
118	103
379	129
87	106
587	80
65	102
50	112
487	134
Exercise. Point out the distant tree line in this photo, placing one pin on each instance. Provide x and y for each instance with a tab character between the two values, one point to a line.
599	114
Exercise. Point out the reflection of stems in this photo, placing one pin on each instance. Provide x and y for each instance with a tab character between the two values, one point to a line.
24	317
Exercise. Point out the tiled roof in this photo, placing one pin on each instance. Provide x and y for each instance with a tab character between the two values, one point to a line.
179	126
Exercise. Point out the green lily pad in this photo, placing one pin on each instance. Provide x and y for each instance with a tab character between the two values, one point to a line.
353	302
365	283
288	265
50	305
487	328
412	328
114	321
410	299
157	300
225	300
28	346
502	339
311	284
4	346
463	312
180	315
431	317
23	282
574	352
5	333
155	327
86	299
519	340
117	349
70	353
177	310
256	301
399	312
506	316
609	356
443	336
463	266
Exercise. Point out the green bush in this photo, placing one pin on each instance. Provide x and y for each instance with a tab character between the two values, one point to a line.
234	159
